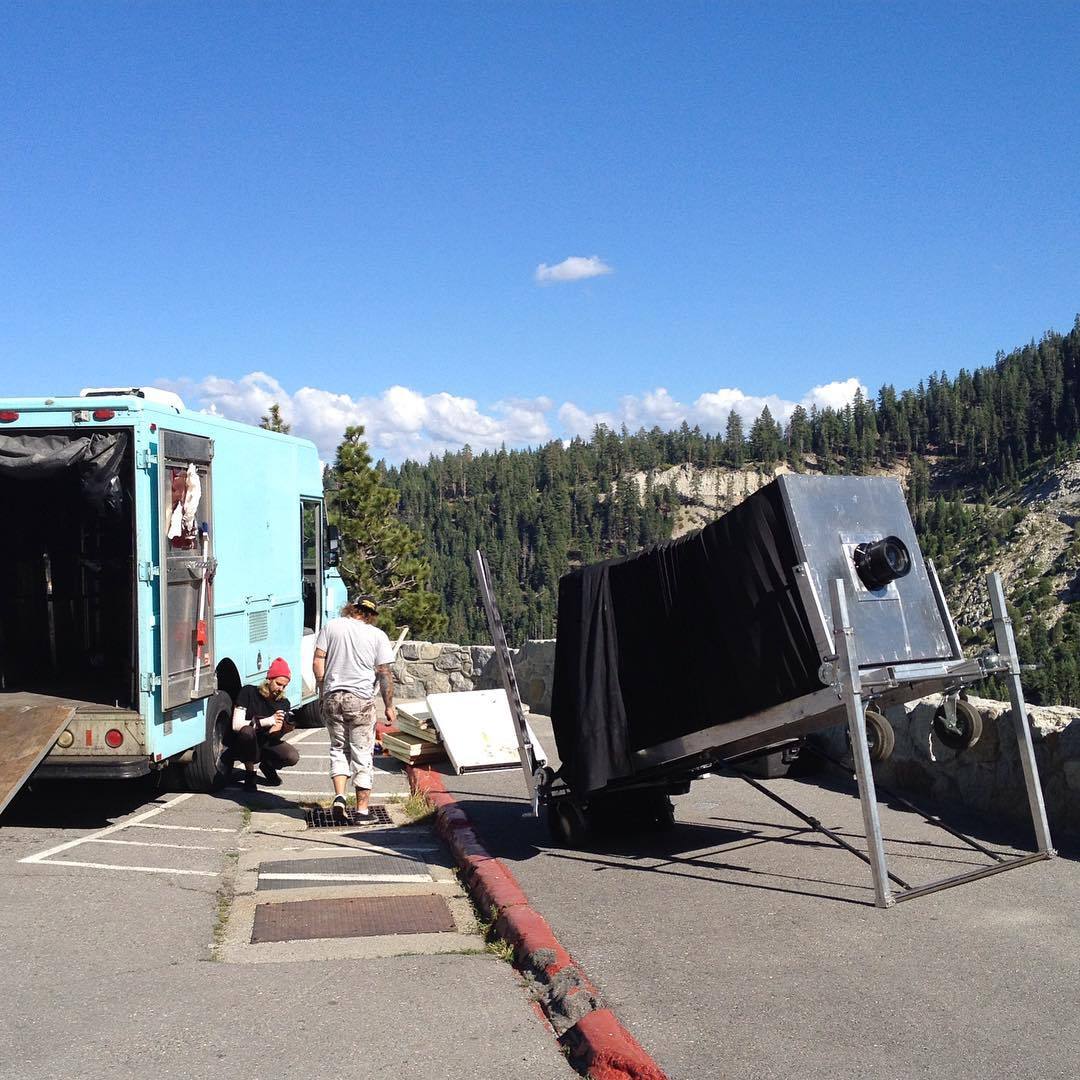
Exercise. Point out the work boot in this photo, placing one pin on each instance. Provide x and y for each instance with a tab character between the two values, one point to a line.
271	776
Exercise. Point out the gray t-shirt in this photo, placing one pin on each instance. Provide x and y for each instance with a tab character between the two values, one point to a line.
353	651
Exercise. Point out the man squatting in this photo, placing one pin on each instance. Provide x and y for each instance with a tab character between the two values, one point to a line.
351	655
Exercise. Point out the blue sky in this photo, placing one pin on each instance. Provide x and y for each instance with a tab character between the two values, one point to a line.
344	207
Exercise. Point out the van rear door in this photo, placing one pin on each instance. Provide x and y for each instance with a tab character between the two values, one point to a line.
187	568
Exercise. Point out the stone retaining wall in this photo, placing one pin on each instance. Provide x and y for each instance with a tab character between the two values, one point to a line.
424	667
987	777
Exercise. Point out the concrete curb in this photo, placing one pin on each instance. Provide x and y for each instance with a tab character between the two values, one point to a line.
598	1045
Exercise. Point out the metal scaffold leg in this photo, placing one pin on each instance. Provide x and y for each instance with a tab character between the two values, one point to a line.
1006	646
850	689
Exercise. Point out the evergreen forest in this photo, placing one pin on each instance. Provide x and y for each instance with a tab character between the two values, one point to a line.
967	444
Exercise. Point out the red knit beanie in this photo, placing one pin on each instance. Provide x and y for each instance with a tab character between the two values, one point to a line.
279	668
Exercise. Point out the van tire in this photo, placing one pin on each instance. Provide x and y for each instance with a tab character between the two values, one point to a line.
202	772
309	715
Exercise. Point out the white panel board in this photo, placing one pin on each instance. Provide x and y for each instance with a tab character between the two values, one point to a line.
477	730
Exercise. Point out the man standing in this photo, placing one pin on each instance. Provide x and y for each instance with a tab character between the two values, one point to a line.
351	655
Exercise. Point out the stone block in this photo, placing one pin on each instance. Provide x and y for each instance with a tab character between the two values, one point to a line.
410	650
449	660
459	682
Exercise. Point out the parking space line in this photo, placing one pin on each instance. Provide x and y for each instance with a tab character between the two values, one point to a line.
40	856
110	866
152	843
181	828
299	736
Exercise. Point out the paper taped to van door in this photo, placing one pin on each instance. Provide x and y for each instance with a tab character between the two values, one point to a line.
477	730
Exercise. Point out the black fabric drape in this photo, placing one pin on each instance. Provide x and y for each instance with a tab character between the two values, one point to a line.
677	638
97	457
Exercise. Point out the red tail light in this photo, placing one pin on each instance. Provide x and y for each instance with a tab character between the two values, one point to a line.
7	415
113	737
104	414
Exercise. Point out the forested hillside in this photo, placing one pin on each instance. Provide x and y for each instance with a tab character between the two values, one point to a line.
967	446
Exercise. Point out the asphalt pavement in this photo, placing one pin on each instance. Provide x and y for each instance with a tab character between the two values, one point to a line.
742	944
126	945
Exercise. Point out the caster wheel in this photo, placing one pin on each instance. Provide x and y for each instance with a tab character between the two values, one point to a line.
967	730
567	822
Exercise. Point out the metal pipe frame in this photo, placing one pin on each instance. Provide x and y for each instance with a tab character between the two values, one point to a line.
850	689
1006	644
851	693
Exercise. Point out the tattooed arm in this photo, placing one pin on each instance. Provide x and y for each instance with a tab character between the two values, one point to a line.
386	686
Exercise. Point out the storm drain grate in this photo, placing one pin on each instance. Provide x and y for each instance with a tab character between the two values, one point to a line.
353	916
321	817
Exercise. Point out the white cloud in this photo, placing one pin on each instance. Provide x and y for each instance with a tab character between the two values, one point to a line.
575	268
834	395
402	423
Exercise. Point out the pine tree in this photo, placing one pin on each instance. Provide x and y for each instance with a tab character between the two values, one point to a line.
274	421
378	554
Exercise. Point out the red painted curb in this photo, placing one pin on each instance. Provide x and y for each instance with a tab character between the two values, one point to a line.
600	1047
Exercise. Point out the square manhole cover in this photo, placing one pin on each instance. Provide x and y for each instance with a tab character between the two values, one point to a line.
321	817
353	916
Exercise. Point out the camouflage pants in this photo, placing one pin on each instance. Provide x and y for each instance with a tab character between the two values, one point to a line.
350	720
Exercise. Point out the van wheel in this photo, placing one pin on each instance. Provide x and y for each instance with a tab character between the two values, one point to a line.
202	773
309	715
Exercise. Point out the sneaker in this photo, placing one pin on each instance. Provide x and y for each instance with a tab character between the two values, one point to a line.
270	775
249	782
340	809
364	815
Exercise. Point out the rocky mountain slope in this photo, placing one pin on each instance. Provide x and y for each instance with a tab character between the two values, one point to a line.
1040	555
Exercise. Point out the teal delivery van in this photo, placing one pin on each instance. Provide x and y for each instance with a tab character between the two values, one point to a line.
153	559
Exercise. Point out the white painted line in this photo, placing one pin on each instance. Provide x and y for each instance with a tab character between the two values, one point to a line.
182	828
345	877
321	793
138	869
153	811
300	736
151	843
301	772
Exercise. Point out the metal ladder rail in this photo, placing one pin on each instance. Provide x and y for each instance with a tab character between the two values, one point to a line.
509	680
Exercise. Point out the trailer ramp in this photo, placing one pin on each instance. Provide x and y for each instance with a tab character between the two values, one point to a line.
29	725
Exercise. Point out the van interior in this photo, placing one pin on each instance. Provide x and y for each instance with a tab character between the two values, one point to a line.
67	565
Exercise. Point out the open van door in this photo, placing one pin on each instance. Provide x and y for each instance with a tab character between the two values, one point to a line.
187	568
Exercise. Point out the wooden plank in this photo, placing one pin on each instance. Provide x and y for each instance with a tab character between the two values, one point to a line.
417	731
29	726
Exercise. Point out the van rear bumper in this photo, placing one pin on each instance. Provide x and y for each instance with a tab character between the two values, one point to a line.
56	767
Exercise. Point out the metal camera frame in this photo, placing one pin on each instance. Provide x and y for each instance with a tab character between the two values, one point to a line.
846	691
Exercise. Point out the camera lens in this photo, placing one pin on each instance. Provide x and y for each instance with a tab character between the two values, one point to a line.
882	561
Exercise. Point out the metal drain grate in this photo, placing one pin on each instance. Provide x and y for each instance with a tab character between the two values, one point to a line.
321	817
354	916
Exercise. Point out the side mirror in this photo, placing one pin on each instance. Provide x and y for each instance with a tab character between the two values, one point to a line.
333	541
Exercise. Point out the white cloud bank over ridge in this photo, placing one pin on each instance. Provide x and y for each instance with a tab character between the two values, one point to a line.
574	268
401	423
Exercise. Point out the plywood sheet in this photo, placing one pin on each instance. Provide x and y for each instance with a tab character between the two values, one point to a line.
29	725
477	730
